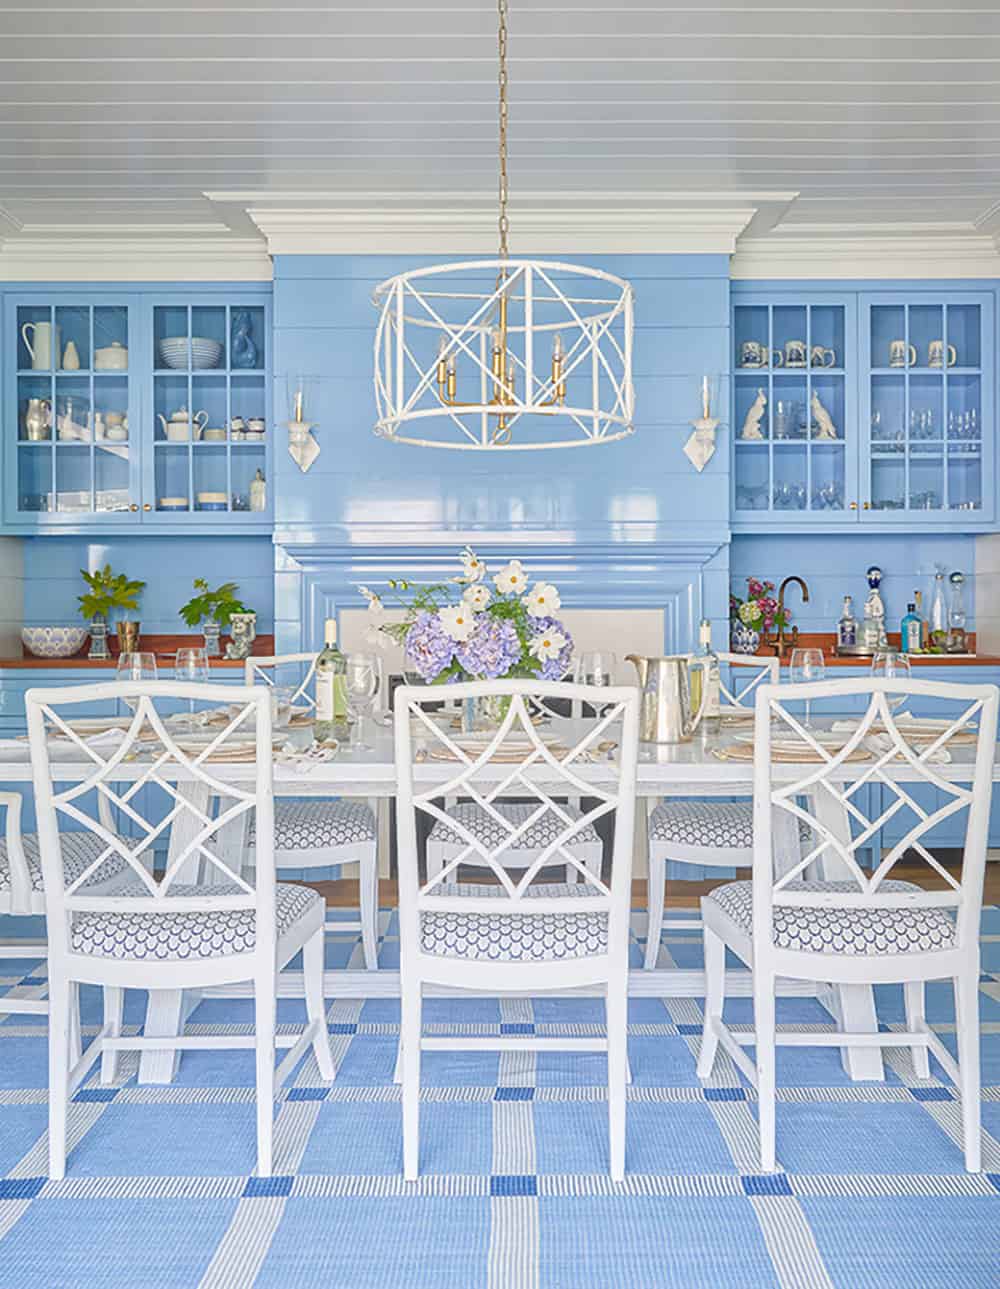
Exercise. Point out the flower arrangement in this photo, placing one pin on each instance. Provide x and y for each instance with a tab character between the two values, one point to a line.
759	610
467	630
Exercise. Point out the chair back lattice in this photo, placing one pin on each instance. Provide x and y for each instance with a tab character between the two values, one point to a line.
739	692
263	669
520	760
153	752
883	768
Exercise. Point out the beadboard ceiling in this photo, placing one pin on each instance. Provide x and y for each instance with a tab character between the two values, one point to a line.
119	116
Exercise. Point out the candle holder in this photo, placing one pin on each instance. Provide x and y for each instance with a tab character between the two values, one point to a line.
700	446
302	447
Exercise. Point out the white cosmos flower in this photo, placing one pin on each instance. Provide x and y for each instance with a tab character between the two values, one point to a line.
458	621
477	597
473	568
512	578
549	644
543	600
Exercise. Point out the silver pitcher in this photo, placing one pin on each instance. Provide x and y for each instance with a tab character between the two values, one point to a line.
665	714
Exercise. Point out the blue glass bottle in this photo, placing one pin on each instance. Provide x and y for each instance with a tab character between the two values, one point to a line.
911	630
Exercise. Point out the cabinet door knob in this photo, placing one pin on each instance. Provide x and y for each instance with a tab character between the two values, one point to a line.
867	505
133	507
853	505
147	506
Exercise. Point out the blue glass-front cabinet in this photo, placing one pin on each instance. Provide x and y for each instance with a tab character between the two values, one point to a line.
900	421
136	408
794	410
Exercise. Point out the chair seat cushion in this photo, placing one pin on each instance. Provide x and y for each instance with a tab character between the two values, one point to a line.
79	850
514	937
180	936
715	825
851	931
490	833
313	825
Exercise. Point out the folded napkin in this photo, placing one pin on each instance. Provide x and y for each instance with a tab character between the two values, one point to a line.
305	761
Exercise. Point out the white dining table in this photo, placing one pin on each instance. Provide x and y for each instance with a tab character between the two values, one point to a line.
680	770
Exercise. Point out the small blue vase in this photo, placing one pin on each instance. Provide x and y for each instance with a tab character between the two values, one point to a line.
743	639
242	350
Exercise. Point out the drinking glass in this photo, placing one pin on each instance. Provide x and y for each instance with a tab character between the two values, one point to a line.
807	665
135	667
191	665
361	686
889	664
594	667
281	706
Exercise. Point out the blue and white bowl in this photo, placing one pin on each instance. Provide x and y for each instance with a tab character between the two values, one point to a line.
53	642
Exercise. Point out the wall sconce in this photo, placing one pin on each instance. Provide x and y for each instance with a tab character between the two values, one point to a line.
700	446
302	447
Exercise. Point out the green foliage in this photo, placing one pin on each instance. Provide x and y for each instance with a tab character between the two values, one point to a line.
108	591
208	605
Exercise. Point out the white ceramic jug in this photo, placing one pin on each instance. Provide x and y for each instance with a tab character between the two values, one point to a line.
40	344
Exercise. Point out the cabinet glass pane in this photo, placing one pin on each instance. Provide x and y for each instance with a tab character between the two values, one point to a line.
110	338
790	489
926	330
209	402
171	336
751	337
208	337
964	331
247	338
888	335
965	425
34	408
247	459
828	481
111	478
34	337
789	331
72	349
752	411
172	477
789	408
74	489
34	478
965	482
826	335
753	476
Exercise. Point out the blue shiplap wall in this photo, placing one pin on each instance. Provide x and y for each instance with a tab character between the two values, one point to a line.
835	566
168	565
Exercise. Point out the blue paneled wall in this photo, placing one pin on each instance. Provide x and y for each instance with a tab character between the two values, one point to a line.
644	487
835	566
167	564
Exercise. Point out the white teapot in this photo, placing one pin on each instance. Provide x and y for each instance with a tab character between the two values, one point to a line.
183	424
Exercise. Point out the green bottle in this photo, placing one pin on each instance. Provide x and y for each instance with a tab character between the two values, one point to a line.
331	685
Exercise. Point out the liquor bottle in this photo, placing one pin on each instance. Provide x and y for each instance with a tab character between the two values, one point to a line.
331	685
938	614
847	627
957	639
918	600
911	630
705	679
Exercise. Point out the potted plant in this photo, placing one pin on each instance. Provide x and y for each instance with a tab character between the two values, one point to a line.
110	595
213	609
758	611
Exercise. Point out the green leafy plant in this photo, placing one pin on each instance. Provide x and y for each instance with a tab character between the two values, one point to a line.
212	606
108	591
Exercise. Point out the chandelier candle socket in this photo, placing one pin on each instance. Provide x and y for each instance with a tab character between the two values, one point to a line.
512	355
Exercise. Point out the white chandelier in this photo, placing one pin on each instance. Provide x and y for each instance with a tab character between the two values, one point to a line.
504	355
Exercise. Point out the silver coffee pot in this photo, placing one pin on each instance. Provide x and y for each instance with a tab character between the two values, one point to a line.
665	709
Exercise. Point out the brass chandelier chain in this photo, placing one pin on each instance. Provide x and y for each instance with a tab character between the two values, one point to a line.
504	223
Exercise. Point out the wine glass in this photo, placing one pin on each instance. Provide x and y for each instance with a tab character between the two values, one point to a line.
594	667
134	667
890	664
191	666
361	685
807	665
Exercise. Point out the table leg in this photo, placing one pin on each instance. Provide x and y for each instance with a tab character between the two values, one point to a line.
168	1009
852	1006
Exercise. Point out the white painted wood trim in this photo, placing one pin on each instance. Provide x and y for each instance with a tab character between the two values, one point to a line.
34	257
918	251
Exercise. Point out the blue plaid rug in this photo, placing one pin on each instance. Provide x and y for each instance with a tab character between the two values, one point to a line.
514	1192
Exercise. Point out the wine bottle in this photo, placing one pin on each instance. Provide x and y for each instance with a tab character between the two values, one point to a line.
331	685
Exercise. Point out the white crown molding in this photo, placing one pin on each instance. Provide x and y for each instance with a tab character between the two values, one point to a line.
460	224
846	251
132	255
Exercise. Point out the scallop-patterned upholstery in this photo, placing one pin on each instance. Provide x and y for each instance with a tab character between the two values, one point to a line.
489	832
314	824
180	936
720	825
854	931
514	937
79	850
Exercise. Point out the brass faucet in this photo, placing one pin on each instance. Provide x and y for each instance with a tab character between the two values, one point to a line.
778	641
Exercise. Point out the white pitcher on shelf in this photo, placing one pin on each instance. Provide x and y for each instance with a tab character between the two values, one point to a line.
40	344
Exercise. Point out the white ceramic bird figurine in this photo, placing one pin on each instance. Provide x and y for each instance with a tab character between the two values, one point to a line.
751	425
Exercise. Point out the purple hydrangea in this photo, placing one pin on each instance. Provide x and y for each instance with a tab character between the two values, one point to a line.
554	668
428	646
491	650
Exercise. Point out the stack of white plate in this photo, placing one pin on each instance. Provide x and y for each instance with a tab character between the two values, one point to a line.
204	352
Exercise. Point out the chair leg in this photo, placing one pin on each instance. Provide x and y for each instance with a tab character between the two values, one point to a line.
369	911
967	1038
617	1017
265	1020
397	1069
913	992
656	889
715	996
60	991
75	1032
764	1028
114	1004
312	974
411	1004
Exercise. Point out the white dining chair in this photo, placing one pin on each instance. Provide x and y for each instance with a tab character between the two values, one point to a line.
711	834
319	833
866	929
165	932
515	936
